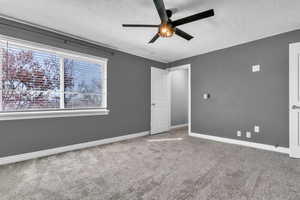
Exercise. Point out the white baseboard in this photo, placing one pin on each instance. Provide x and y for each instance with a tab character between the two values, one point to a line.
243	143
48	152
179	126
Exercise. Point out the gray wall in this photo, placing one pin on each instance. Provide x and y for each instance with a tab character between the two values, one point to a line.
128	100
240	98
179	97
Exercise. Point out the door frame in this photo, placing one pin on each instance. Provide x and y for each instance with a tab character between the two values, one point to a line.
294	48
188	68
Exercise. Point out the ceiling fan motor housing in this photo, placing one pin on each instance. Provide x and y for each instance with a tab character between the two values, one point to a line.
169	13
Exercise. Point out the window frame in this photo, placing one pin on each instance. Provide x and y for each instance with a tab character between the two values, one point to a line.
62	54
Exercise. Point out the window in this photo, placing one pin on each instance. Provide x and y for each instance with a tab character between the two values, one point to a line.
39	82
83	84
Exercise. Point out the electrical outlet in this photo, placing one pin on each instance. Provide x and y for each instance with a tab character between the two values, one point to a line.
255	68
239	133
256	129
248	134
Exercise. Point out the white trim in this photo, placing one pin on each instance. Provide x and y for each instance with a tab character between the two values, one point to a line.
243	143
294	50
179	126
48	152
186	67
104	85
51	114
190	100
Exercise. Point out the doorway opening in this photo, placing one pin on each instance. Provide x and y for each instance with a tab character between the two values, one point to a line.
180	98
170	99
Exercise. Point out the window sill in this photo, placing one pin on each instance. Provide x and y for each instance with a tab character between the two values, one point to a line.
51	114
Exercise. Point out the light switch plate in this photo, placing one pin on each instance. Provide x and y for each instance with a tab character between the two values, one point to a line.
256	129
255	68
248	134
239	133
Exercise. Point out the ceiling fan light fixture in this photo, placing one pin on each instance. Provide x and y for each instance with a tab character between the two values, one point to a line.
169	27
165	30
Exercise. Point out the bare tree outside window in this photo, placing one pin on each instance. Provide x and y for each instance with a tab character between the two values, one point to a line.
30	80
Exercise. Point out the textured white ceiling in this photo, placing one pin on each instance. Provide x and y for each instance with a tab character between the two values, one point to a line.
235	22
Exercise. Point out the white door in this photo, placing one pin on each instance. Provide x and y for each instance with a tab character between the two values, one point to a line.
294	109
160	100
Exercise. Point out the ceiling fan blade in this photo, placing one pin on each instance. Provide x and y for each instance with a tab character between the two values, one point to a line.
141	25
183	34
161	9
154	38
192	18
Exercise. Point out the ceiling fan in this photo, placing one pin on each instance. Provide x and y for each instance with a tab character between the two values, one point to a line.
168	27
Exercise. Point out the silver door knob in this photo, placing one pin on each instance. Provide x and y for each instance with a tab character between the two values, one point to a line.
294	107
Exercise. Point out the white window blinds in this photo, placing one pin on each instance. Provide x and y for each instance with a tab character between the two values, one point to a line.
38	79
